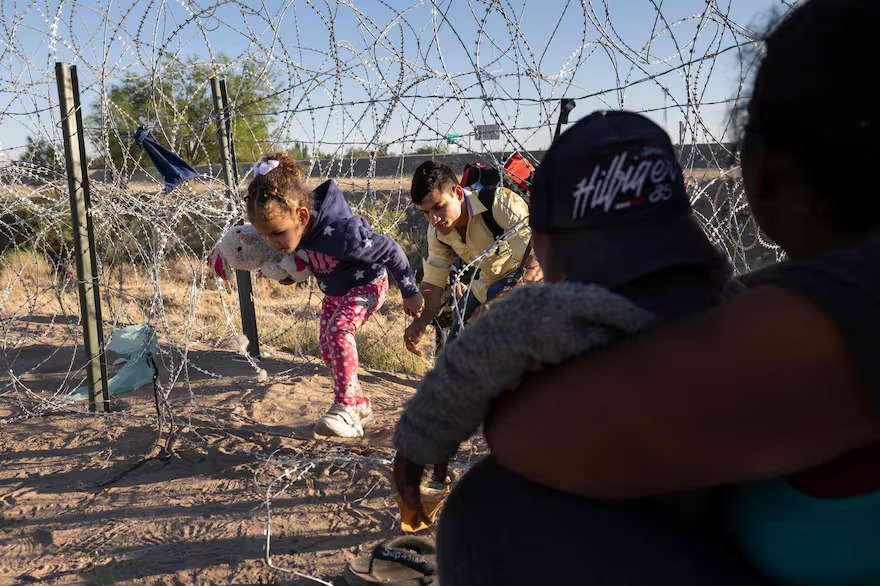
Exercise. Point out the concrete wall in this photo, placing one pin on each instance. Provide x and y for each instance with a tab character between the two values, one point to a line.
692	155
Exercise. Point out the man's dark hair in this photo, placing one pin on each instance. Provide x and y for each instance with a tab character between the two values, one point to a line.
429	177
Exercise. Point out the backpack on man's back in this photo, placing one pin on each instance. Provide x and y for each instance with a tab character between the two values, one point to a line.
485	180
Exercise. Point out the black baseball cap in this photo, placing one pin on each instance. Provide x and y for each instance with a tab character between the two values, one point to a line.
610	194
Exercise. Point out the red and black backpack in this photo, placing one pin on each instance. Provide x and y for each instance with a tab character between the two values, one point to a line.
485	179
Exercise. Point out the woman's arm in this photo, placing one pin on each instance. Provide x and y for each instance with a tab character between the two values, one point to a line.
759	388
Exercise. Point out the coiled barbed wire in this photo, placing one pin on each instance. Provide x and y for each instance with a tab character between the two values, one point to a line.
358	94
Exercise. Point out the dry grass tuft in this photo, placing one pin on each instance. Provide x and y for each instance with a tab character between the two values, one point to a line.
187	304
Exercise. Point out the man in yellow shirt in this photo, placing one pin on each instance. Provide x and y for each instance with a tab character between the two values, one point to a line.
459	225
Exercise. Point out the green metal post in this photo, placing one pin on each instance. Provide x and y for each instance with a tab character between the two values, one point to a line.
230	177
83	235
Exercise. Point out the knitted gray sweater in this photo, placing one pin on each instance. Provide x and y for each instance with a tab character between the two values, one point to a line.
547	324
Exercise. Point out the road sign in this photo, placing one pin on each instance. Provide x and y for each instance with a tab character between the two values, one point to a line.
487	131
451	138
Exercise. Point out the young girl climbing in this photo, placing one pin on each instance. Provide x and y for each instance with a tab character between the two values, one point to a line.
350	263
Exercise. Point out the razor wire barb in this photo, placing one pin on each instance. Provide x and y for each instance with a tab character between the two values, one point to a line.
359	95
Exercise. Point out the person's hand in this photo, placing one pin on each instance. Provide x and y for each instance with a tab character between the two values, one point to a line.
480	310
413	306
287	281
412	336
484	307
441	472
408	479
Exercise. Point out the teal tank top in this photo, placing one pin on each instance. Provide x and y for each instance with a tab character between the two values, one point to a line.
794	539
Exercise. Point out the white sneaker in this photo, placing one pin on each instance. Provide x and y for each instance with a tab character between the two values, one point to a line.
344	421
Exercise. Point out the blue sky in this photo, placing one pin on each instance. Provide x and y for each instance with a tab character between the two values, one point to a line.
424	67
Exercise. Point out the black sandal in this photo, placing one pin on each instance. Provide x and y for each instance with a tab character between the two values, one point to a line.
399	561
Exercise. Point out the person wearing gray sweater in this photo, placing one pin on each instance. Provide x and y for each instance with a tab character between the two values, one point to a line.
621	252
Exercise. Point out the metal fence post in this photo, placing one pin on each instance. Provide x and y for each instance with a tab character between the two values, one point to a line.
83	235
230	177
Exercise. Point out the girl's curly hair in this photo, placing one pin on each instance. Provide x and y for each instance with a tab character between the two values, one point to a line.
284	186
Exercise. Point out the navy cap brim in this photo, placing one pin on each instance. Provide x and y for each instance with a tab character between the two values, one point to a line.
616	255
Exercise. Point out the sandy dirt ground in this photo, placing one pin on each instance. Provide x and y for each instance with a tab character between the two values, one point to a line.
96	499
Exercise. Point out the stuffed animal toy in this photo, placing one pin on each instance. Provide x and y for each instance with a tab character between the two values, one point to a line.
242	248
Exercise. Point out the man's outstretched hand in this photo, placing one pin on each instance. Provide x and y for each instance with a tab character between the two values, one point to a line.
413	306
412	336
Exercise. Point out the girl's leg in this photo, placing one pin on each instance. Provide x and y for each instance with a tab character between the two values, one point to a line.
354	308
328	308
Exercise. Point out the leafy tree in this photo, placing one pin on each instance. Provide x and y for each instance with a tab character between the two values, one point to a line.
299	151
436	149
357	153
42	152
381	150
177	98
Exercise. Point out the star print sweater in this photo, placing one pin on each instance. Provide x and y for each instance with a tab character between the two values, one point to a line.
344	252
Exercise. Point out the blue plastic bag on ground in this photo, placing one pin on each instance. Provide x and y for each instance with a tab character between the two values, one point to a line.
139	345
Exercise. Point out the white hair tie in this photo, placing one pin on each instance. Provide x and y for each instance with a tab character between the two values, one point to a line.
264	167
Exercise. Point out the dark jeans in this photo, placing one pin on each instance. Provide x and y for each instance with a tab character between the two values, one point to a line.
498	528
469	303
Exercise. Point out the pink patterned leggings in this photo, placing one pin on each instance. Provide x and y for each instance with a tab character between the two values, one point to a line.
341	318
